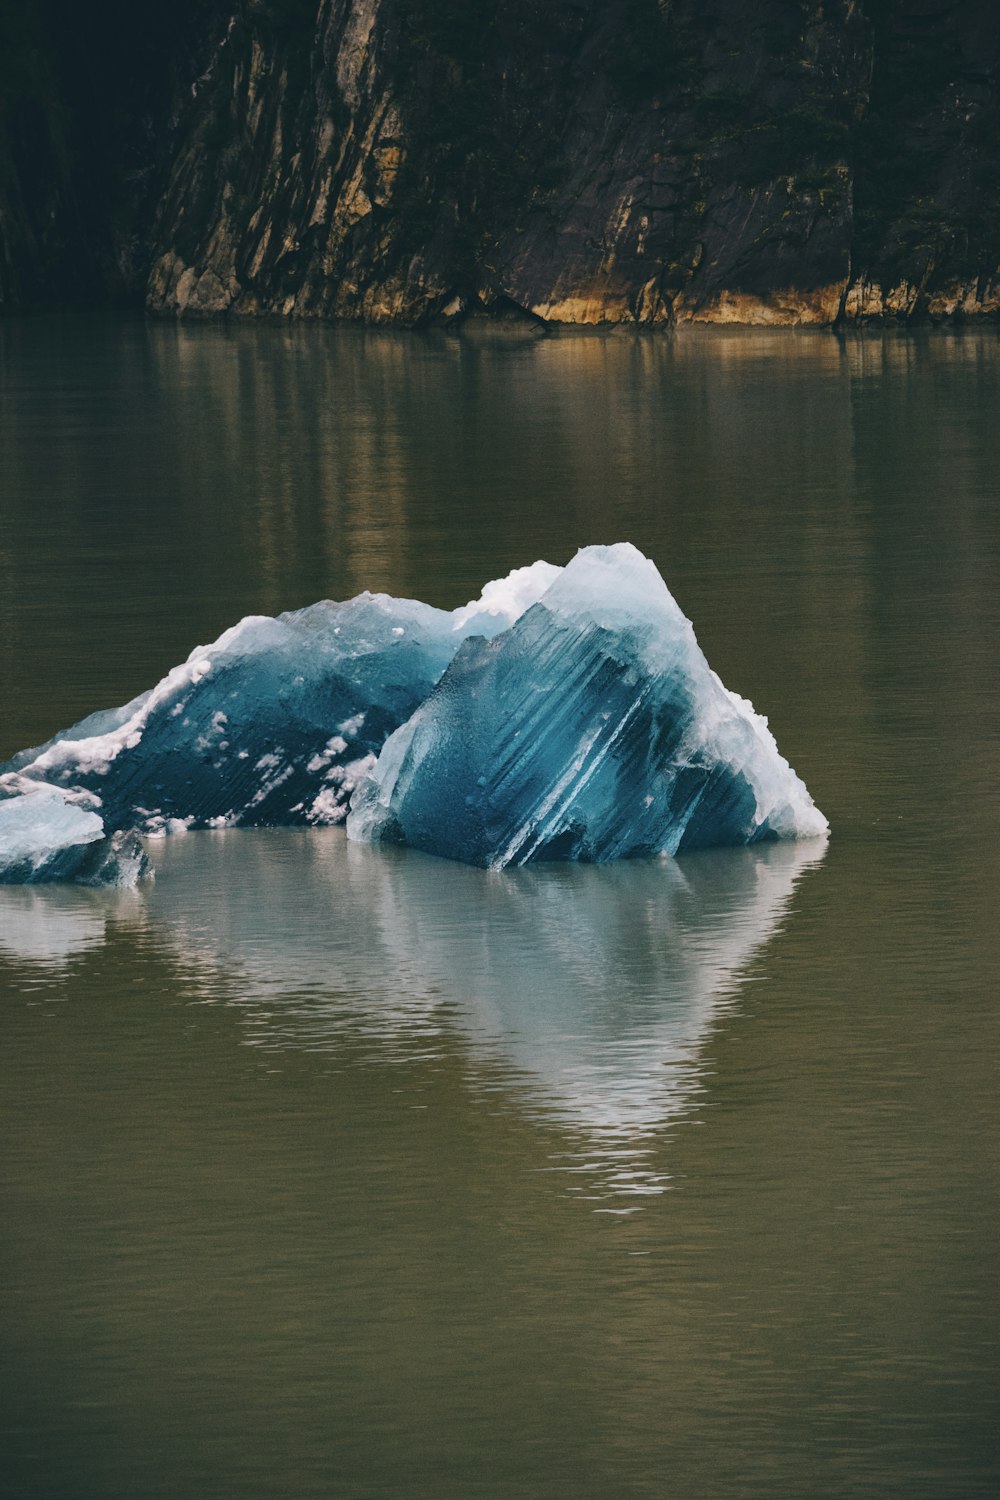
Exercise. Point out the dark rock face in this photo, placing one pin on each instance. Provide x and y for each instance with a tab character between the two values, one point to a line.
582	161
91	100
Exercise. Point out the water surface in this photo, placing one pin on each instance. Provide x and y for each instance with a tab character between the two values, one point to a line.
339	1171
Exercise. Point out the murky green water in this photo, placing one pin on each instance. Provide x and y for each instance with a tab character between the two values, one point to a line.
331	1171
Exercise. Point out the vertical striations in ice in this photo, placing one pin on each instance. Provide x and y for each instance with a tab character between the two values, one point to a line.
567	713
592	729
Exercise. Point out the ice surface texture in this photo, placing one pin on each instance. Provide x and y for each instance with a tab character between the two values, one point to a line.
275	721
593	729
272	724
44	836
565	714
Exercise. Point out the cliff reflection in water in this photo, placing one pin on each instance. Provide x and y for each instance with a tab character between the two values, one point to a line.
590	990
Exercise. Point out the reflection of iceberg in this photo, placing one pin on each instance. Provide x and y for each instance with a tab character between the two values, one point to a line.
594	986
51	925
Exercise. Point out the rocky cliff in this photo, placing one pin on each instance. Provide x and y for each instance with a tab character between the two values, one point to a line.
580	161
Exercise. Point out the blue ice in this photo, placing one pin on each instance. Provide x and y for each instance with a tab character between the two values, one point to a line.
272	724
592	729
45	836
567	713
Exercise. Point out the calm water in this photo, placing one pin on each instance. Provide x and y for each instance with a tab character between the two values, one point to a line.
331	1171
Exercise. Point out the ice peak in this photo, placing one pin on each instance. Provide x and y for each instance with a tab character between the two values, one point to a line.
506	599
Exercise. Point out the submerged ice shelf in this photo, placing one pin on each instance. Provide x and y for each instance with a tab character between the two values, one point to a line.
568	713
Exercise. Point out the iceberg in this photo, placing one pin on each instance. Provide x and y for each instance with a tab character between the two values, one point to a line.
47	836
567	713
592	729
276	721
